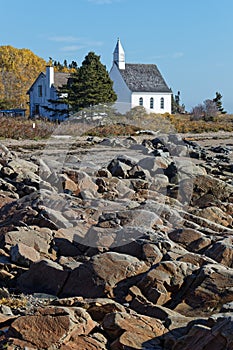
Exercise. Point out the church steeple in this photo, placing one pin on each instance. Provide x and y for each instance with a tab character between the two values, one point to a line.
119	55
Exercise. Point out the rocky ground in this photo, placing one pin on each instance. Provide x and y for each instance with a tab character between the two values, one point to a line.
121	243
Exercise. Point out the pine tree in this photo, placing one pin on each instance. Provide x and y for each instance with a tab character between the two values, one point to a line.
218	102
90	85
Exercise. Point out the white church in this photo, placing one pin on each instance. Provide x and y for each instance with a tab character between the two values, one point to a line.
139	85
134	84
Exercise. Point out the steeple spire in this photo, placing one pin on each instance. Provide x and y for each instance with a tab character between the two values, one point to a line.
119	55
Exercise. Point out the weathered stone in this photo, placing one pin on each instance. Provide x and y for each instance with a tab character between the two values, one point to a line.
85	182
85	343
69	185
192	240
204	184
44	276
164	280
132	330
22	165
151	253
64	244
6	320
35	237
207	224
119	169
23	255
154	165
98	308
56	217
217	335
211	288
215	214
222	251
55	324
103	173
98	277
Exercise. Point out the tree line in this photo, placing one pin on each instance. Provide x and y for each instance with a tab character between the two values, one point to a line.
88	84
209	108
18	70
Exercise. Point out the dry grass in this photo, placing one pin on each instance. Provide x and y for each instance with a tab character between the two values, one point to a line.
14	303
184	124
113	130
21	128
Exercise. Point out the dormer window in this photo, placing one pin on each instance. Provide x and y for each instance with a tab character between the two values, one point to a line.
140	101
162	103
151	103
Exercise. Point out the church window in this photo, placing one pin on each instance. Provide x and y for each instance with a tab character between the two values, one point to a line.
140	101
162	103
151	103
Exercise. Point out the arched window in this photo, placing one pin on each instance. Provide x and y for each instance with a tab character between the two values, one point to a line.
162	103
140	101
151	103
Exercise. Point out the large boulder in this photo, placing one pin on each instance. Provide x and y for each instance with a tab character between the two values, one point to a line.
56	325
210	289
44	276
98	277
132	331
164	280
35	237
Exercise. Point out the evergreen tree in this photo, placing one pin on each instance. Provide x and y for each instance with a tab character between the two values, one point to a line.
218	102
176	107
90	85
73	64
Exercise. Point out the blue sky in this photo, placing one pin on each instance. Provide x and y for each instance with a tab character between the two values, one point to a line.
191	41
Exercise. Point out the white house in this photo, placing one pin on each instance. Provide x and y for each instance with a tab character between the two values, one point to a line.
44	99
139	85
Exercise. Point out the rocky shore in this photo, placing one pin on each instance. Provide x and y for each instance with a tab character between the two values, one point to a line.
119	243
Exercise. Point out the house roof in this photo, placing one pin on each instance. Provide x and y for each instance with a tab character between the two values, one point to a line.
144	78
41	75
60	79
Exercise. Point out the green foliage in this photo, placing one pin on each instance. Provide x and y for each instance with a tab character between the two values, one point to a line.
63	67
90	85
176	107
218	102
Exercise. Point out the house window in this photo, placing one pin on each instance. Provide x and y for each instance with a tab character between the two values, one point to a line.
162	103
39	90
37	109
140	101
151	103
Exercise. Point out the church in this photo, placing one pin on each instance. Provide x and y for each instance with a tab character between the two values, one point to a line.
139	85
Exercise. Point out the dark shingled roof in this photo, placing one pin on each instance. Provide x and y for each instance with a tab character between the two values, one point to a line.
60	79
143	78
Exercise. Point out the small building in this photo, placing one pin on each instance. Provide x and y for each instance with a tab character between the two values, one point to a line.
139	85
15	112
44	98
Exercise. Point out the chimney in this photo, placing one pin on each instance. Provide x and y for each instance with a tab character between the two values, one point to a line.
50	76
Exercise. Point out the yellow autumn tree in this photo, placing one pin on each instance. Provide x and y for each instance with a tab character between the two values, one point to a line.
18	70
